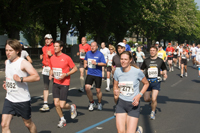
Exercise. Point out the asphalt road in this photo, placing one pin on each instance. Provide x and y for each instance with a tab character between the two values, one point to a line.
177	110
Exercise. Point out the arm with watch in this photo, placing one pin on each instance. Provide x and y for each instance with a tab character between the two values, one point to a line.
72	71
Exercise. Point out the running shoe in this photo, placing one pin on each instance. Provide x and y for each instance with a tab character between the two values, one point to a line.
152	115
91	106
81	89
107	89
99	106
139	129
62	123
179	67
181	75
172	69
44	108
186	75
73	112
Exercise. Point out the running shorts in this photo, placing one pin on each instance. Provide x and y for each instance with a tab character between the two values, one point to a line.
60	91
184	61
127	107
81	64
22	109
90	79
154	86
109	68
170	58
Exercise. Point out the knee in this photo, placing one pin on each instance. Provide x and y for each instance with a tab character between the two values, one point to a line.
147	99
154	100
87	87
57	104
28	124
98	91
62	106
4	125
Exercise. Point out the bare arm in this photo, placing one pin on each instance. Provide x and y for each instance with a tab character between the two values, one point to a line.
29	59
116	91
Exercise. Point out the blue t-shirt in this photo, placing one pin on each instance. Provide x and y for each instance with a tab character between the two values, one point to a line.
128	82
94	70
128	48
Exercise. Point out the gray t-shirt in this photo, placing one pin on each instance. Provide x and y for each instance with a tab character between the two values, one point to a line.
24	54
128	82
140	56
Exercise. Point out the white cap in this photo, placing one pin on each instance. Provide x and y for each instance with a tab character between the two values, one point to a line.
121	44
136	44
49	36
157	42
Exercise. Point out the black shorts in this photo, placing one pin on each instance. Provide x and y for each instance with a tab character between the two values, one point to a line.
46	82
184	61
22	109
60	91
169	58
175	56
154	86
109	68
127	107
90	79
81	64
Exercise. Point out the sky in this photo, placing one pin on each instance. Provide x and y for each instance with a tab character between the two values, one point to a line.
198	3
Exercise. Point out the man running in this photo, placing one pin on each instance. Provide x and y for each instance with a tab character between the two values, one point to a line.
184	57
48	51
17	102
170	51
83	49
105	51
94	59
180	50
60	65
193	50
198	57
152	66
128	48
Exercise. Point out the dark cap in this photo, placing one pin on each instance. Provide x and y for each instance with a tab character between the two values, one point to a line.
160	46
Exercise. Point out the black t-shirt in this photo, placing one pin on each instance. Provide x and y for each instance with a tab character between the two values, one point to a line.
116	61
152	67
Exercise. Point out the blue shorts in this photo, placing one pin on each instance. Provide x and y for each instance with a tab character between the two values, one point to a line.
193	56
154	86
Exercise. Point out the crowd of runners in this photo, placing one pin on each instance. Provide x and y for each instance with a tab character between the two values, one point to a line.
125	66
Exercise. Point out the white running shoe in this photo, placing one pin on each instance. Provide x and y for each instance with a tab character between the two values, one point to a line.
44	108
139	129
186	75
107	89
91	106
81	89
73	112
172	69
181	75
152	115
99	106
62	123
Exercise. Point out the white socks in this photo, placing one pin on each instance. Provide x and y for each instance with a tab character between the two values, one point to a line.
108	83
82	81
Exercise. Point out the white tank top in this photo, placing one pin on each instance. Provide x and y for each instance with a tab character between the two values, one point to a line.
16	91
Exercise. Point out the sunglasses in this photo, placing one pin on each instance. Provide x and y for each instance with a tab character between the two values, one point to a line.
111	49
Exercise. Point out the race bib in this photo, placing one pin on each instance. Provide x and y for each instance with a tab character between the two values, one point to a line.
175	53
153	72
90	65
139	59
110	63
11	85
46	70
82	55
160	55
169	53
57	72
126	88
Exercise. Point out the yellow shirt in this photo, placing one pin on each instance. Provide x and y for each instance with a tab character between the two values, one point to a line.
162	54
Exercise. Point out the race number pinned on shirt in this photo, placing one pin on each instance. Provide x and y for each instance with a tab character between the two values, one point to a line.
57	72
153	72
82	55
160	55
169	53
126	88
90	65
11	85
110	63
175	53
46	70
139	59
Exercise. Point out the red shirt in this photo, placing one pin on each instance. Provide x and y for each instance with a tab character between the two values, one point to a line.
46	58
86	48
63	62
170	51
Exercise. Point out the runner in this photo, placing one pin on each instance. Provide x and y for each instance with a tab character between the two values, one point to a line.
109	65
162	54
83	49
48	52
198	57
175	55
25	55
17	101
193	50
152	65
140	56
180	50
128	48
60	65
170	51
128	78
105	51
94	59
184	57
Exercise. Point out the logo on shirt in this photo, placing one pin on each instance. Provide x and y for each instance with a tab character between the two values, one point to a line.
96	57
153	62
61	60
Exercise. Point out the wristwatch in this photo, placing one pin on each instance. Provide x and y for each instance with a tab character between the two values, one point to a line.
96	64
21	79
